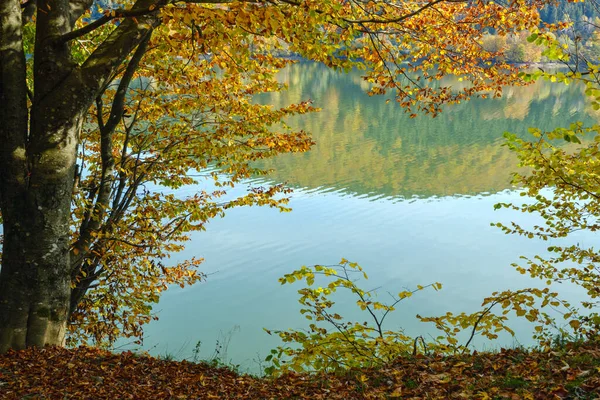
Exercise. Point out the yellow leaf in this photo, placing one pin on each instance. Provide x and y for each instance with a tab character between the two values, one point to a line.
574	324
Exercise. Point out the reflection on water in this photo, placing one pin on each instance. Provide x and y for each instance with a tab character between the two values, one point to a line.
369	156
366	146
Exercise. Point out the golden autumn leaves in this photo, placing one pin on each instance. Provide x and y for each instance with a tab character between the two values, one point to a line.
190	113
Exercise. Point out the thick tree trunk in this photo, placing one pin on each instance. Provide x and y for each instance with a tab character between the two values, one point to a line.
35	285
38	149
37	186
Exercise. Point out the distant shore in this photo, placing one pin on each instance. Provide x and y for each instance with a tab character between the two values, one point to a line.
543	65
536	65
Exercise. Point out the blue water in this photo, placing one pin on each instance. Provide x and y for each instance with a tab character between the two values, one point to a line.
409	200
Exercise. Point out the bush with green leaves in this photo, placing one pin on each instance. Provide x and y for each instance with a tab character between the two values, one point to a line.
332	343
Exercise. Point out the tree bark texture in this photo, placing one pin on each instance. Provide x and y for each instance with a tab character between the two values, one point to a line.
39	140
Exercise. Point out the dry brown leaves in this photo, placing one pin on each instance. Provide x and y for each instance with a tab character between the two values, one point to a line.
87	373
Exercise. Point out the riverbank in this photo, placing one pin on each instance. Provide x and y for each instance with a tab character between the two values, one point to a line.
569	372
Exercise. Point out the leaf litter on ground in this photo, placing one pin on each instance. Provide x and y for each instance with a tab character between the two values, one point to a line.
569	372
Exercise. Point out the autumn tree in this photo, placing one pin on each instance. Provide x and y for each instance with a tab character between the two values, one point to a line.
158	141
559	182
99	102
562	183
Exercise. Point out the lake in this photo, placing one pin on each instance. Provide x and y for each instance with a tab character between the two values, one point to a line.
411	200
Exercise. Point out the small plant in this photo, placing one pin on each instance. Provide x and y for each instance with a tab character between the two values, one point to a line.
173	356
196	351
513	382
167	357
411	383
219	358
331	343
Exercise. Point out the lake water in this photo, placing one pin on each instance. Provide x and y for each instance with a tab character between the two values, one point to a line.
411	200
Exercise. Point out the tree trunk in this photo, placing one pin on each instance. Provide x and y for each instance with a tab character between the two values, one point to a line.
35	285
38	150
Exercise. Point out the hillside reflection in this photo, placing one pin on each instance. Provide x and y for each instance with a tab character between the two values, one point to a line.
365	146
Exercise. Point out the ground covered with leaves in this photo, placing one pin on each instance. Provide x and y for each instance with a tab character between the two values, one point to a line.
571	372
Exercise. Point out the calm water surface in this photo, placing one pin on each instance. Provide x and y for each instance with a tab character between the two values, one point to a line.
411	200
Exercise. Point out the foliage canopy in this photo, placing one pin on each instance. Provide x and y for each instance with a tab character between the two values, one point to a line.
108	99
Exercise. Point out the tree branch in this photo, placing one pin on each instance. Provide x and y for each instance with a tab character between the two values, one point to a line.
401	17
131	13
102	64
118	106
82	247
107	17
